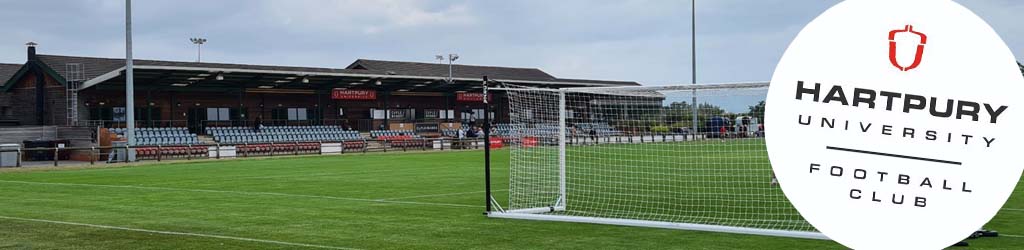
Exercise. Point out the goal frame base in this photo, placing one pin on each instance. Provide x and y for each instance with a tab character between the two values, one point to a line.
537	215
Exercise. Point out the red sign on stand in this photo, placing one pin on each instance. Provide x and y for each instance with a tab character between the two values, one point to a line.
529	142
344	94
496	143
472	97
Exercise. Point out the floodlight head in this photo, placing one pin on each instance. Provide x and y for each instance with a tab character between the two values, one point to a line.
197	40
453	57
439	57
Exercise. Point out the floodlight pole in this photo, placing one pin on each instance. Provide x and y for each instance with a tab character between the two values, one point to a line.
693	62
487	148
198	41
451	61
129	83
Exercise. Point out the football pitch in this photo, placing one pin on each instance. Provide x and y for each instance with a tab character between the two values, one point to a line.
415	200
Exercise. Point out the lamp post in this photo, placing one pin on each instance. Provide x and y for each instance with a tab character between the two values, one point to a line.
199	47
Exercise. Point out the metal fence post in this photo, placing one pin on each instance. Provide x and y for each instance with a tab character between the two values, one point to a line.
56	156
18	163
92	156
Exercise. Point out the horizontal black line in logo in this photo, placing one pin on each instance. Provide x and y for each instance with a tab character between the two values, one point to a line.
893	155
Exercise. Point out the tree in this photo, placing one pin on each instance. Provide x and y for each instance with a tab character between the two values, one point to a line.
757	111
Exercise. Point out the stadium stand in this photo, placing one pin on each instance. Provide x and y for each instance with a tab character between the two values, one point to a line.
271	139
400	138
450	133
279	134
602	129
158	143
161	136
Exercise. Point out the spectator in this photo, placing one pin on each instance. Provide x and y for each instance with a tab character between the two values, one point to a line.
593	135
462	134
471	132
258	124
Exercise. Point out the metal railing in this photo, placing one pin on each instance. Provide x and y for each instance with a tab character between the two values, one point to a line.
138	123
112	154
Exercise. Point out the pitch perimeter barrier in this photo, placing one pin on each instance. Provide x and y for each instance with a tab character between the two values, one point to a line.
115	154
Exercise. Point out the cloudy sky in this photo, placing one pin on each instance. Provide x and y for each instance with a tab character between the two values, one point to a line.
645	41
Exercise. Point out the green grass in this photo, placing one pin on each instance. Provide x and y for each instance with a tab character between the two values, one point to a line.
375	201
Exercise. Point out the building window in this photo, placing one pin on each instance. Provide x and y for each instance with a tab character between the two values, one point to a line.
377	114
218	114
298	114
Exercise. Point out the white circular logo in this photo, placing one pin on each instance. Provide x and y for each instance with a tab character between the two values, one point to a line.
896	124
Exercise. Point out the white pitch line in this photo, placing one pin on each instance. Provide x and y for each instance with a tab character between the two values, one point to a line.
179	233
438	195
245	193
1011	236
1014	209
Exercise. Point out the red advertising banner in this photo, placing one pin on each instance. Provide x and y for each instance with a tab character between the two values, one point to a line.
496	143
472	97
344	94
529	142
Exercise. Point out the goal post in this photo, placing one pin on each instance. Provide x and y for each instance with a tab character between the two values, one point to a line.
645	156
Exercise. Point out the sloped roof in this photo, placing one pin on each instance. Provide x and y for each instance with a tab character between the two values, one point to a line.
95	66
97	70
458	70
7	70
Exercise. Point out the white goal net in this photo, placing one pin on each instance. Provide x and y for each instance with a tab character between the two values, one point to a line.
646	156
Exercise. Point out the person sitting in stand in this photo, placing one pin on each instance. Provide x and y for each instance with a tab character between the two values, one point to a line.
258	124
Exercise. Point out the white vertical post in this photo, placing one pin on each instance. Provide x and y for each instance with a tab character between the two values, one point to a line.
561	148
129	84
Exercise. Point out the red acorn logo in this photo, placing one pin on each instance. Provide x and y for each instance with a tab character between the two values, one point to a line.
917	56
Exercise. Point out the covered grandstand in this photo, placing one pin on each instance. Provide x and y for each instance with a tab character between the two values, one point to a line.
402	104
